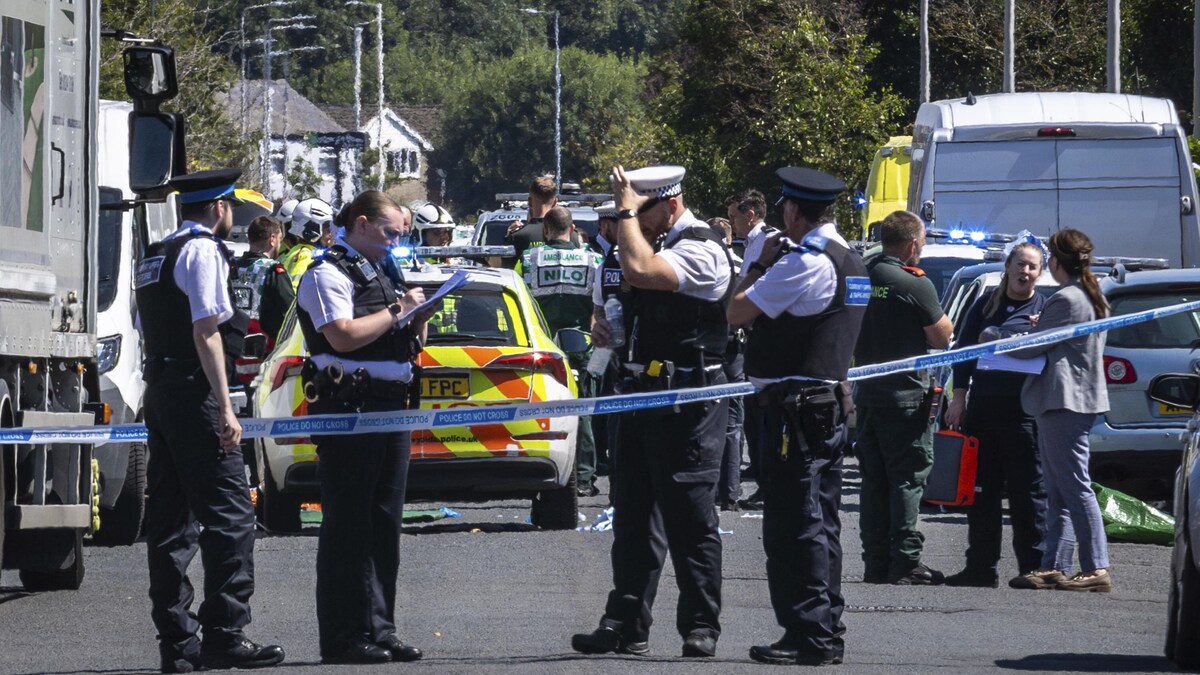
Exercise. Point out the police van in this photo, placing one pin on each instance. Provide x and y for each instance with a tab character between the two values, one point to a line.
1115	166
491	227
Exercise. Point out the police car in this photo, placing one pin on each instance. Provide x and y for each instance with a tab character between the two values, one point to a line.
487	346
492	226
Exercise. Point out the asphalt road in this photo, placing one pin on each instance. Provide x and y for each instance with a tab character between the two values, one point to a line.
488	593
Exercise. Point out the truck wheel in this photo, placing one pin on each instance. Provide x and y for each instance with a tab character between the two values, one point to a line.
120	525
556	509
1186	622
280	511
69	579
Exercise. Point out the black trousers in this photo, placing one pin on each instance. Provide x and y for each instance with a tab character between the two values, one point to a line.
802	534
729	487
1008	463
363	477
666	472
198	499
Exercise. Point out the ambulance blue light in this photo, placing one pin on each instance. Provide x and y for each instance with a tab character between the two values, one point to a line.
318	252
402	252
977	236
957	234
860	201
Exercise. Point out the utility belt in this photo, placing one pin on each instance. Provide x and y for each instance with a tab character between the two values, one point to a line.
333	385
661	376
811	408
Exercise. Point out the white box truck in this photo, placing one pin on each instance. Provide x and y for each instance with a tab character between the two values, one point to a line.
50	210
1115	166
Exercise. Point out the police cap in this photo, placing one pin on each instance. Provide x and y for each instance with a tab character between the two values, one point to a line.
606	210
657	181
207	186
801	182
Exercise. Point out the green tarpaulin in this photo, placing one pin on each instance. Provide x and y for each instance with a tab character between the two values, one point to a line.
1130	519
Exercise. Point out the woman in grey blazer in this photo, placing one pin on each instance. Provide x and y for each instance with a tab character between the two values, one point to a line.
1065	399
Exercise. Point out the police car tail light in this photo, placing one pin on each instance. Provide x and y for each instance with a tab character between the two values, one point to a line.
287	367
1118	371
539	362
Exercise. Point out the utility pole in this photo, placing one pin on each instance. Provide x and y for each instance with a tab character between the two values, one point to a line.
1114	46
379	63
924	94
242	54
557	99
1010	25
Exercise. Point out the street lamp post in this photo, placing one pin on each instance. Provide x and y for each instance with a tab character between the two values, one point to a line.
268	94
242	53
557	99
287	63
379	65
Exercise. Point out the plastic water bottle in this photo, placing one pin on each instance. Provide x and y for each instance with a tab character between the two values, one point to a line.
616	322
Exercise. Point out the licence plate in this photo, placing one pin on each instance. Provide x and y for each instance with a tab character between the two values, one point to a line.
446	386
1164	409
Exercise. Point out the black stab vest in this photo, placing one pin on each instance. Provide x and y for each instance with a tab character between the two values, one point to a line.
166	314
373	290
671	326
818	346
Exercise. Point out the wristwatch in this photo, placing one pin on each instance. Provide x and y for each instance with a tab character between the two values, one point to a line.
626	214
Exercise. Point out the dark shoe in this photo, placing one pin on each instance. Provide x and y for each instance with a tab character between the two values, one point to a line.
399	650
606	640
783	654
241	653
171	660
1037	581
875	577
752	503
587	490
974	578
359	653
918	576
699	644
1095	583
729	505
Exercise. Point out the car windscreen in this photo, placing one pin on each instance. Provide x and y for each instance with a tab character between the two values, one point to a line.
941	270
108	248
1169	332
473	316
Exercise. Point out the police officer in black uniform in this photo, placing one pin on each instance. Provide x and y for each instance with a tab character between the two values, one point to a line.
610	283
806	295
363	336
198	493
667	460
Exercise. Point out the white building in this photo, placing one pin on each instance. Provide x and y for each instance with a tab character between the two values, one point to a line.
409	134
304	141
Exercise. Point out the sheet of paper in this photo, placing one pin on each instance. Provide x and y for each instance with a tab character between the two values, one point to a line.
1033	366
455	282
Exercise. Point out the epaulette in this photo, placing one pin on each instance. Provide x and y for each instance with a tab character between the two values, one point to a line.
915	271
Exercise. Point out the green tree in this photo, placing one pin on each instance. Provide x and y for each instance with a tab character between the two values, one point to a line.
499	120
302	177
202	71
759	84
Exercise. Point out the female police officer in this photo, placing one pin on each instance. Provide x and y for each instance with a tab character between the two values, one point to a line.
363	336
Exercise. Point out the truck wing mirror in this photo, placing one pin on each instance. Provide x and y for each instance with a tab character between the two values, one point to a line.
155	150
150	73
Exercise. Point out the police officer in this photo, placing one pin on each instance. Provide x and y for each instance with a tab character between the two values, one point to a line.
560	276
363	337
806	294
895	441
610	283
312	222
667	460
198	494
543	196
261	285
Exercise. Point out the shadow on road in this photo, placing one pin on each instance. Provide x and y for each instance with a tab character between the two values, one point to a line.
485	528
10	593
1090	663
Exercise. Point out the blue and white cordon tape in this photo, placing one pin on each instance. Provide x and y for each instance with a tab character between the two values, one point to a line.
409	420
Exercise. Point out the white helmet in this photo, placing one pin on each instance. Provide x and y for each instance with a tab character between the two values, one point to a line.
286	209
308	217
432	217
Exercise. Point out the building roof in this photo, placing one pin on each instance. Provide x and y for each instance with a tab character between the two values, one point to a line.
302	115
426	120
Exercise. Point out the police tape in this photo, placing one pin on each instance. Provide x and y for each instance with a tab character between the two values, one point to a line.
412	420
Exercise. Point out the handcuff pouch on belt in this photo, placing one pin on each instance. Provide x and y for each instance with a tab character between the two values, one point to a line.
813	410
333	385
658	376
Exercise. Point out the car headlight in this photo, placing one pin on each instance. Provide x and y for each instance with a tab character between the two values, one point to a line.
108	352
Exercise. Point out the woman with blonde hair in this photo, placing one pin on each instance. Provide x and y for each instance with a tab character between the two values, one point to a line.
1065	399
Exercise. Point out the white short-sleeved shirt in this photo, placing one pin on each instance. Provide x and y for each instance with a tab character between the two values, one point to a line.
701	266
598	287
801	284
327	294
202	273
754	243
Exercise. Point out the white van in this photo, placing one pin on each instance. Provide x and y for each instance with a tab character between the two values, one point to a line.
1112	165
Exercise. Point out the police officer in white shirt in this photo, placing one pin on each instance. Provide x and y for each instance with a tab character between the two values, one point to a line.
667	460
806	302
360	327
196	475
